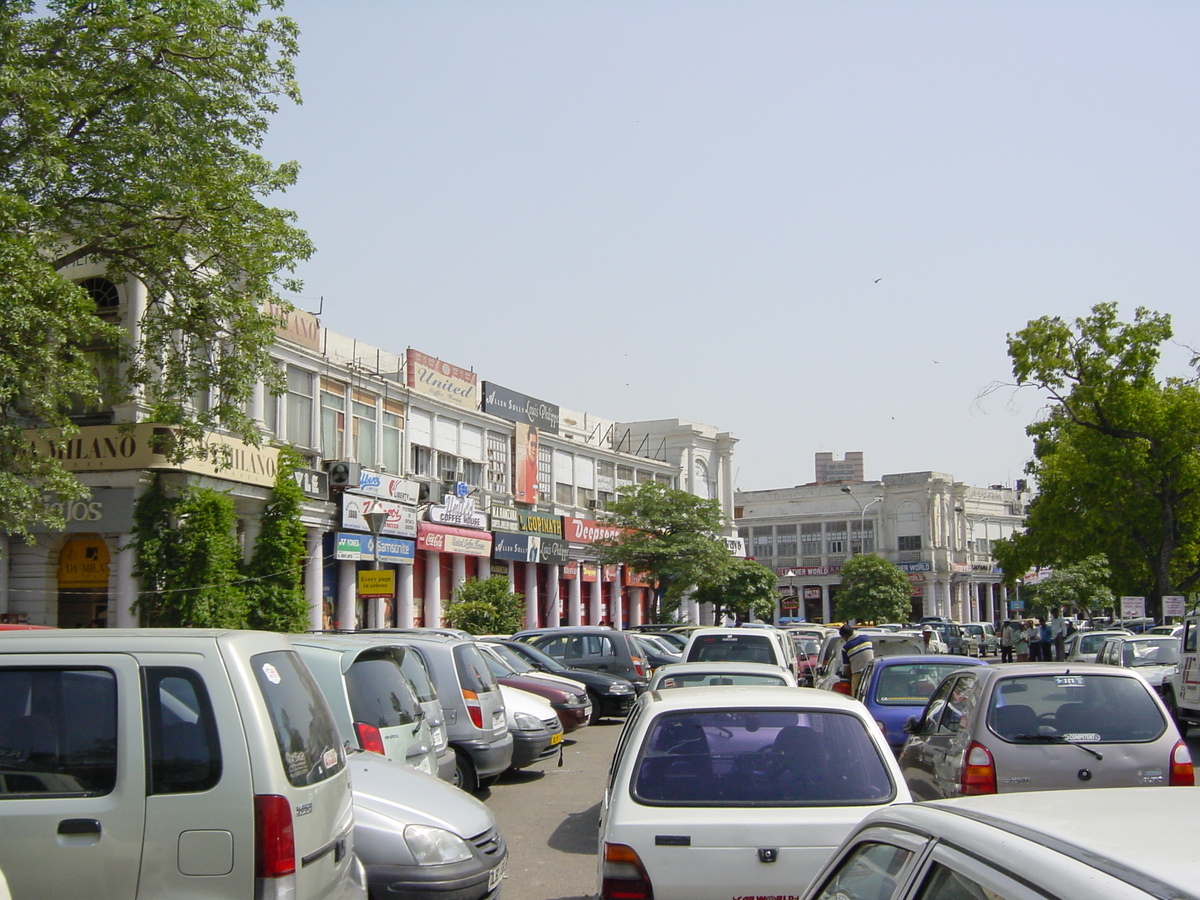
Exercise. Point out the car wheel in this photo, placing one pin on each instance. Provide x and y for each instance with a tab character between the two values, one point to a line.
464	772
596	711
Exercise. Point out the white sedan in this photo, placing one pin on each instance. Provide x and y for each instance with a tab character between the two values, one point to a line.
732	791
701	674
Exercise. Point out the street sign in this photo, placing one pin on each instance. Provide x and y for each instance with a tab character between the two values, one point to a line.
1133	607
1174	606
375	583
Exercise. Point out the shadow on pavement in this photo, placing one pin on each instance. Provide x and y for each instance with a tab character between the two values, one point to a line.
577	832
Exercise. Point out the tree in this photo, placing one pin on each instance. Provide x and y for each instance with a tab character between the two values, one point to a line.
1116	456
1082	587
128	137
486	607
671	536
746	590
274	586
873	590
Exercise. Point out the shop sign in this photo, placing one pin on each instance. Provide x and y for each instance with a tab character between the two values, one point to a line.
960	567
812	592
1133	607
789	602
388	487
608	573
570	571
458	511
590	572
924	566
446	539
1173	606
105	509
606	484
434	378
295	325
637	579
736	545
540	523
314	484
500	401
401	520
518	547
554	552
525	464
586	531
83	564
359	546
376	583
504	518
805	571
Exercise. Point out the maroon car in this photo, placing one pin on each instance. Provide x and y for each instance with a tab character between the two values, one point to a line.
568	699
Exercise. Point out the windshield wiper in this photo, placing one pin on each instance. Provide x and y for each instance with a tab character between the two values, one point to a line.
1057	739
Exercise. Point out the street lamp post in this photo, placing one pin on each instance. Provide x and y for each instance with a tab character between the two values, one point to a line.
862	517
375	522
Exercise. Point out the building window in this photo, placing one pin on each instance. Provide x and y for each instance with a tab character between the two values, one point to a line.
393	427
862	537
564	494
624	475
545	471
498	471
298	428
763	546
333	423
364	433
785	540
422	461
908	542
810	544
472	473
835	539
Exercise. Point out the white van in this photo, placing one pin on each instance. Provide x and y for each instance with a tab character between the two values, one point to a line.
155	763
761	645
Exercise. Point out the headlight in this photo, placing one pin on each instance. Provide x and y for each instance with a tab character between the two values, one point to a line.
526	722
431	846
621	688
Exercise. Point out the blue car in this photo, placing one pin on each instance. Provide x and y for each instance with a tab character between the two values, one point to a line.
896	687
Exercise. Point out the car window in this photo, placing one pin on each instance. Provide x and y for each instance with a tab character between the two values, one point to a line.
694	679
944	883
733	648
869	872
418	675
598	645
557	647
185	751
1150	653
935	708
1104	708
1189	637
910	684
514	661
305	732
957	714
378	691
766	757
58	732
1091	643
473	672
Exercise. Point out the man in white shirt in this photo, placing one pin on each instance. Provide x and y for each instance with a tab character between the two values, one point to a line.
933	643
1058	633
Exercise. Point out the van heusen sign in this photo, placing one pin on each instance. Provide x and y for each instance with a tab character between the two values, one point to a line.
114	448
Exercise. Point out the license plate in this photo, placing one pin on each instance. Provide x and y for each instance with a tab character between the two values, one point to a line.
555	739
495	876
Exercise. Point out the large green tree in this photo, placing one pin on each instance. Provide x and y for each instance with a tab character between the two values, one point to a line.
873	590
746	590
1079	588
672	537
129	137
1116	455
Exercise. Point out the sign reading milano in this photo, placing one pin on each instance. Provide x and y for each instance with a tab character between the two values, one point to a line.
506	404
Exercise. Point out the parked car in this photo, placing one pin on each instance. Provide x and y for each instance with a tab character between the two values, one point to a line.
719	792
980	639
372	701
1082	646
828	676
657	651
1172	630
471	702
951	634
1042	726
700	674
568	700
760	645
896	688
808	655
1028	846
1153	656
159	751
593	647
611	695
537	732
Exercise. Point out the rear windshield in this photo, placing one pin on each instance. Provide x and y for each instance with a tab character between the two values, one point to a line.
1091	643
760	757
1150	653
378	691
1046	708
418	676
473	672
911	685
732	647
693	679
304	728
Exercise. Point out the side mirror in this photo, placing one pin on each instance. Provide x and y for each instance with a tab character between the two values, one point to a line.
912	725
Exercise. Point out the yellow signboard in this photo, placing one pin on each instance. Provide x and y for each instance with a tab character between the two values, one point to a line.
376	583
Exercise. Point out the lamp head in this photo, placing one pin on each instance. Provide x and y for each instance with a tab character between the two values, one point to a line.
845	490
376	521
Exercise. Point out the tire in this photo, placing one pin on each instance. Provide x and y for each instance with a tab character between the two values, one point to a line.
464	772
596	711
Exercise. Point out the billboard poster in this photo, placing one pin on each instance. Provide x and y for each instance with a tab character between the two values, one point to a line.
506	404
440	380
526	458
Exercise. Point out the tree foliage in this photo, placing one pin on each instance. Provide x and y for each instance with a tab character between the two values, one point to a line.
1116	456
274	585
745	591
1079	588
873	590
486	607
671	536
129	132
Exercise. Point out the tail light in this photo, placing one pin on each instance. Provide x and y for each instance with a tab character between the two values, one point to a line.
623	877
274	839
978	771
639	665
841	687
1182	771
370	738
474	710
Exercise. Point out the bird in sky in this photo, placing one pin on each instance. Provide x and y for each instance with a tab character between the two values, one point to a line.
877	280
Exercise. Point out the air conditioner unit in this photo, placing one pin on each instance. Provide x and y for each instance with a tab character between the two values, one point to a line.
594	504
342	473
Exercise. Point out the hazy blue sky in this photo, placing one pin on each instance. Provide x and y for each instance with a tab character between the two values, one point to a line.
811	224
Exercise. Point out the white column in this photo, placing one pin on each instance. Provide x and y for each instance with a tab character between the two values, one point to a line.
575	600
126	587
458	571
596	590
637	596
614	603
553	594
433	589
826	612
314	579
404	597
531	595
347	595
251	529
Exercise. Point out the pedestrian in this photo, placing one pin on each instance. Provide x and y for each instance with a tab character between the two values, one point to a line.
1007	640
1021	641
1035	640
857	653
1058	633
933	643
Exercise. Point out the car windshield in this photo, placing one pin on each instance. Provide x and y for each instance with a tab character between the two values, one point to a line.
538	657
975	630
1150	653
732	647
806	646
1070	706
910	684
512	659
1091	643
760	757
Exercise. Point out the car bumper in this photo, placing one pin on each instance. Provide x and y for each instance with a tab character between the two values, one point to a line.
530	747
446	763
474	879
489	757
616	705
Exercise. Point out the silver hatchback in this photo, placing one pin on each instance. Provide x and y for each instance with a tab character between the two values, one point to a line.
1042	726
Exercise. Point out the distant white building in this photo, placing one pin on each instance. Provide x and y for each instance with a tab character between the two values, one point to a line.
938	530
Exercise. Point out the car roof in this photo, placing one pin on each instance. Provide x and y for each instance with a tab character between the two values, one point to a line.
1055	668
1093	825
750	668
925	659
742	696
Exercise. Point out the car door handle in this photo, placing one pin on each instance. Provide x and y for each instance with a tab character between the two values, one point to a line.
78	826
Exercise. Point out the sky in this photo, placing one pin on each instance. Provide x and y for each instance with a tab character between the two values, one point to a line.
810	224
